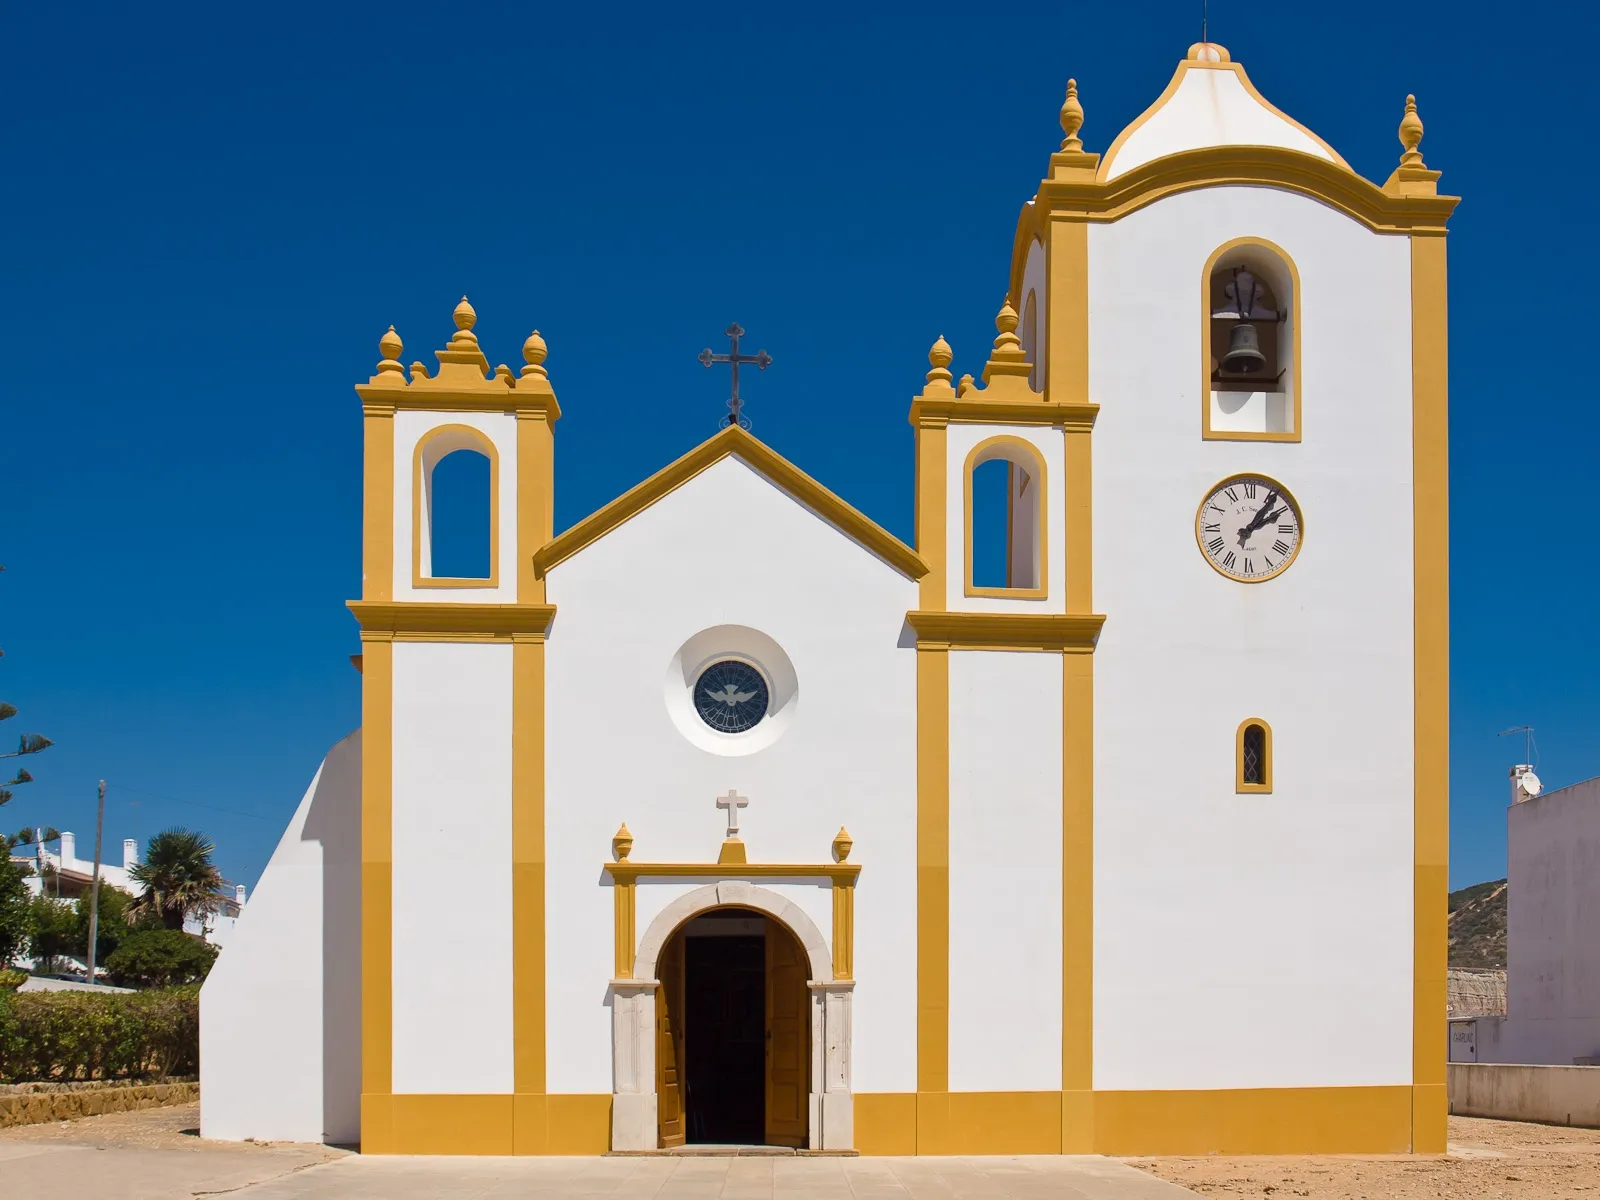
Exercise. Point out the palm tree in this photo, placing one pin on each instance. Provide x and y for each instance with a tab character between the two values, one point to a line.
178	878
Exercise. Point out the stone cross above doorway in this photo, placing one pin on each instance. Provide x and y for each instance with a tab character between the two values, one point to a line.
733	802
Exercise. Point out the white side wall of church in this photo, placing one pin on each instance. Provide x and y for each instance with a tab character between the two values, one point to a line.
1051	446
499	428
1005	872
452	790
729	548
280	1013
1217	911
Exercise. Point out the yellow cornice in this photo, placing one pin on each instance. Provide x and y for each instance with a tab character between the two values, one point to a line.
953	410
734	442
429	621
381	400
627	872
1258	166
1070	633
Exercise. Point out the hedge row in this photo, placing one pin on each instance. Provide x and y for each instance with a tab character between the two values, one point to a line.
60	1036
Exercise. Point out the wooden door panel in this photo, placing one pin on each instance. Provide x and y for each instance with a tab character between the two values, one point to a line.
670	1124
787	1039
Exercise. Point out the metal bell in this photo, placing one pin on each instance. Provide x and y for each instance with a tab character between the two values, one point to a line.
1244	355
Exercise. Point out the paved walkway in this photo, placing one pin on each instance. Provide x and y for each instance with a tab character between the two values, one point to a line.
291	1173
1033	1178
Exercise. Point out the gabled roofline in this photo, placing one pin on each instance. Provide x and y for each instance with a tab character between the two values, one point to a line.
734	442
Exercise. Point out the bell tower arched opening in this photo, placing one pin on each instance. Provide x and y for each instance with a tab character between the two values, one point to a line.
1250	307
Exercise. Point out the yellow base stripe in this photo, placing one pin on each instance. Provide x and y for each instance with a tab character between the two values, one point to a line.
1353	1120
486	1125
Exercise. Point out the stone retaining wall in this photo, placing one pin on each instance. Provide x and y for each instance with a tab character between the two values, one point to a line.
66	1104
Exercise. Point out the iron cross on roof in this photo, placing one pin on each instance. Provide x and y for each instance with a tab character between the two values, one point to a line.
761	359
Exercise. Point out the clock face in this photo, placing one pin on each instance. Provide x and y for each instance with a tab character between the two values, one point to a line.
731	696
1249	528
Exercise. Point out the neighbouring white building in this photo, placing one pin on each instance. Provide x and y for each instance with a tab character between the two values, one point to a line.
790	832
63	875
1552	933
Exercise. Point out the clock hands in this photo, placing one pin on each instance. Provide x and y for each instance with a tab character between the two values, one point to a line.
1264	514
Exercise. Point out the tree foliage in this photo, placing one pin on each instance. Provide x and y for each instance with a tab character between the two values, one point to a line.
15	911
179	877
52	932
160	958
28	743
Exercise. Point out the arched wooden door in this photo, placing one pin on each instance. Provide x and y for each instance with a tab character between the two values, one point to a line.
787	1039
670	1122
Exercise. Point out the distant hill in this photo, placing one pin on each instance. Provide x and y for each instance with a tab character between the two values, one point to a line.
1478	925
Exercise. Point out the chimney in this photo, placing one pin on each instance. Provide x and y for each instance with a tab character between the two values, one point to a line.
130	853
1525	784
69	850
238	894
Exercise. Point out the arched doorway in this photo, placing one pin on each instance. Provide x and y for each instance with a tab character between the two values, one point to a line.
732	1032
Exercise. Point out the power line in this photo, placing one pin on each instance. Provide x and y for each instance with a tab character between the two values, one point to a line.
191	803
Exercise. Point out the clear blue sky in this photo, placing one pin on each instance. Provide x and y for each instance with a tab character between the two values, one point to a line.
212	212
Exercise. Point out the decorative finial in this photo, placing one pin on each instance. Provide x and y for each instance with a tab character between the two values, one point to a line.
1411	135
1071	119
966	385
940	357
1006	322
503	374
390	345
534	350
464	340
622	843
842	841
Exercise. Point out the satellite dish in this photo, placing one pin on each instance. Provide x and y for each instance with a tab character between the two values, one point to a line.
1530	784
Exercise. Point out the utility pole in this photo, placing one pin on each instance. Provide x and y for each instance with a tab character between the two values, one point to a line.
94	888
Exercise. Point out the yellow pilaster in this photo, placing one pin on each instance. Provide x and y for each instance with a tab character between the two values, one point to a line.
1431	540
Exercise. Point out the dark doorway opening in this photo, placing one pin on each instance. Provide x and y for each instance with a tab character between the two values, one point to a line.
725	1028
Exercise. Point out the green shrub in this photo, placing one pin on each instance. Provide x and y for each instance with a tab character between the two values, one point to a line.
63	1036
11	978
160	958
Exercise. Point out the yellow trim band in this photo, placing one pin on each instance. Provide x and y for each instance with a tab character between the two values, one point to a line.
939	411
1246	166
1070	633
1431	631
426	620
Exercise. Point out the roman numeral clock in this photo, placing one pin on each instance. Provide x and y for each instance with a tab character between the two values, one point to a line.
1249	528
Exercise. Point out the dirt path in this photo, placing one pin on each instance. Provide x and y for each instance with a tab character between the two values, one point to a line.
1488	1160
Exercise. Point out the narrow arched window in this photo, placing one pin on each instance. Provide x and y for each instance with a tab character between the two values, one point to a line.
1253	756
455	531
1251	359
1005	515
1030	337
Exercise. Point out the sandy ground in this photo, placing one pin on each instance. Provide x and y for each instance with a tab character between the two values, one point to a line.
1487	1159
174	1128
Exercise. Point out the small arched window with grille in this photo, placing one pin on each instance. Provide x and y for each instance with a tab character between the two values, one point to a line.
1253	756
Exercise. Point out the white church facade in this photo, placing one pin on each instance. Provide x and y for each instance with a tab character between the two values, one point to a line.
866	855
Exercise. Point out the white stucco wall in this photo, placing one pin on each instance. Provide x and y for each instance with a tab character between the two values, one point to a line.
1051	447
1005	872
409	429
280	1013
1552	919
452	835
1232	909
729	548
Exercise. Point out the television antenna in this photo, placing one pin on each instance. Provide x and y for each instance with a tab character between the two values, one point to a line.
1527	741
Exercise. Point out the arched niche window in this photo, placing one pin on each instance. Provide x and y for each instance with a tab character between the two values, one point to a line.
1253	756
1030	336
1250	361
1005	519
455	525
